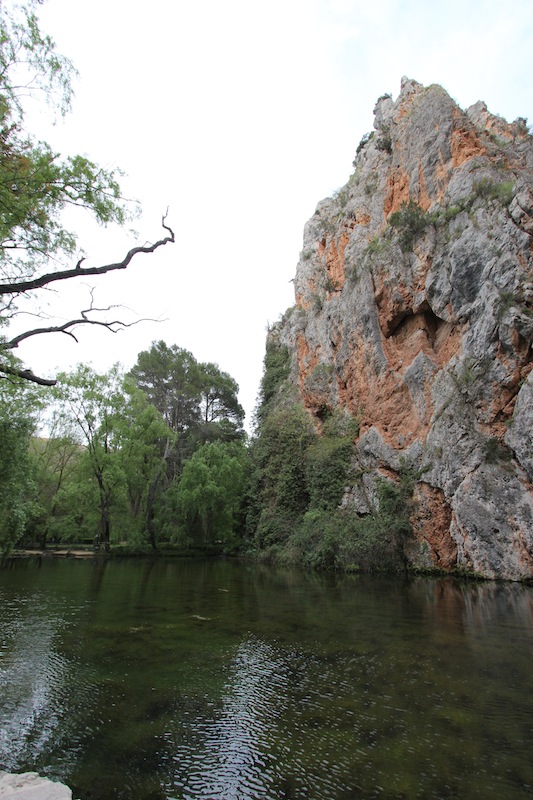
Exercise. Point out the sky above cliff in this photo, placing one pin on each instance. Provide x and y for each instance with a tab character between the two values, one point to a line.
239	117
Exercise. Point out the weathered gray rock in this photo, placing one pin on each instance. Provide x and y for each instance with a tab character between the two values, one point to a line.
31	786
414	314
492	542
519	436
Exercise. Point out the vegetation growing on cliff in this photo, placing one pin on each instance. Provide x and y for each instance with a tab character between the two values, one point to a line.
410	221
296	513
298	478
276	370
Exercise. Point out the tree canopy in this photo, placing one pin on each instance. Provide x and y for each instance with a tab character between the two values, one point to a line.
198	400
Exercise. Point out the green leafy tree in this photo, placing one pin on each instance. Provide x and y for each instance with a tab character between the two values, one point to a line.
15	481
209	494
170	378
37	185
110	463
55	461
221	413
198	401
19	405
278	494
143	441
94	403
219	396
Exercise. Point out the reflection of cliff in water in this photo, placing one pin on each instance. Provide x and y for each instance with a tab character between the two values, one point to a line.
471	606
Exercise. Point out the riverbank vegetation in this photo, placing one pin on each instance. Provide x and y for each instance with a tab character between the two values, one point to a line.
296	507
115	467
156	460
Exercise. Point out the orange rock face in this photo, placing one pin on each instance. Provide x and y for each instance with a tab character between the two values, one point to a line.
431	519
465	142
423	331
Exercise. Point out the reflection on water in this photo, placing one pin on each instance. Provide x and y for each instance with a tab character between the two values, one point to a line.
40	687
31	701
230	755
163	679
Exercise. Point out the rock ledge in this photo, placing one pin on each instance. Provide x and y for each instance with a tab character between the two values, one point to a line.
31	786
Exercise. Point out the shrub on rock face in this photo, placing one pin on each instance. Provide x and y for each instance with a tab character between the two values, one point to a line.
279	453
410	222
276	369
326	471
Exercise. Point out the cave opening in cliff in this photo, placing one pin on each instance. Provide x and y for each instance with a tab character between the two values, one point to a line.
425	320
432	324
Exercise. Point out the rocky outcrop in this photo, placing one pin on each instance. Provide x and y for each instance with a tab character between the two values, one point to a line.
30	786
414	315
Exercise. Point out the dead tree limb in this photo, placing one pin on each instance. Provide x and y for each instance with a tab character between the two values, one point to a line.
22	286
19	287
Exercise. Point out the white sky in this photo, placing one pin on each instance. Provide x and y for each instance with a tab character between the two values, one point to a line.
240	116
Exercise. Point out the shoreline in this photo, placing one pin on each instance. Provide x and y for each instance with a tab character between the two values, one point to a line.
62	553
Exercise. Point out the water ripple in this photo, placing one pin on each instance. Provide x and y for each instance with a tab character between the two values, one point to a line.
231	755
36	683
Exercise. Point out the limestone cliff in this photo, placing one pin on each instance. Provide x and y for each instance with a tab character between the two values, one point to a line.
414	314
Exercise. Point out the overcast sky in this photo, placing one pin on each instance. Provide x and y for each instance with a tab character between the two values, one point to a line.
239	116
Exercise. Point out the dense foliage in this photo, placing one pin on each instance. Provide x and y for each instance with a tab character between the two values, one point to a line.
158	458
299	473
127	460
276	370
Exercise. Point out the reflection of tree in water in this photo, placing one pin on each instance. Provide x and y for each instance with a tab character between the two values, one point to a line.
28	679
98	569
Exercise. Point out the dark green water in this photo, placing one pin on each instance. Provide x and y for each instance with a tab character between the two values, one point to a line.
180	679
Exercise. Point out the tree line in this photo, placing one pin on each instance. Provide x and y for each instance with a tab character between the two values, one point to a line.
155	454
135	457
157	457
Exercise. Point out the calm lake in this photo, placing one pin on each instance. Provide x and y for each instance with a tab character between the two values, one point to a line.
147	680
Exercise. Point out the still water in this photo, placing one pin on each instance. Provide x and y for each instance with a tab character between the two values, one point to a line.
145	680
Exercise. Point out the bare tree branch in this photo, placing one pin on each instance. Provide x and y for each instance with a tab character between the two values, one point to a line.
112	325
27	375
68	327
18	287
